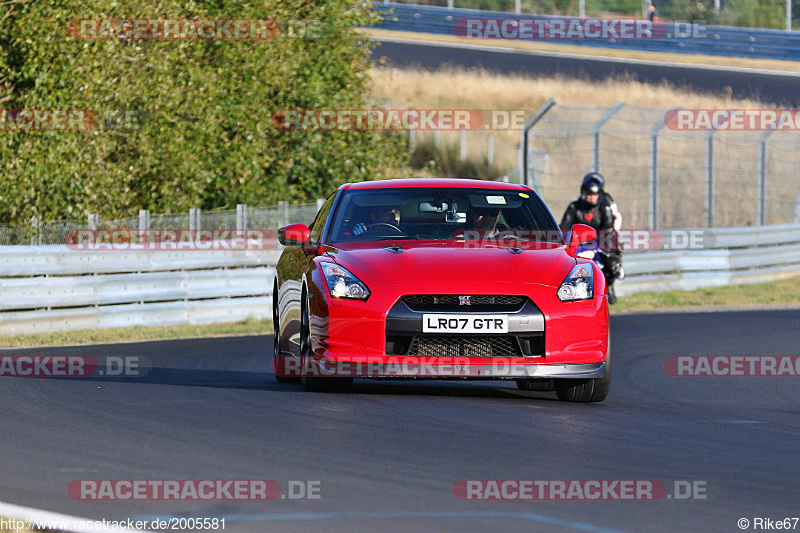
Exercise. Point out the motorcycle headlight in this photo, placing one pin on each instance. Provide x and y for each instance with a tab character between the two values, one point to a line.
578	285
343	284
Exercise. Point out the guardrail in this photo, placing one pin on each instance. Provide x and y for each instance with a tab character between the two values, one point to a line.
55	288
736	255
679	37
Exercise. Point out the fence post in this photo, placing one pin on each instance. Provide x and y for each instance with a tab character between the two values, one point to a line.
523	155
796	217
462	152
596	127
762	177
654	173
320	203
144	220
437	138
710	179
490	151
93	220
241	217
411	138
194	219
36	225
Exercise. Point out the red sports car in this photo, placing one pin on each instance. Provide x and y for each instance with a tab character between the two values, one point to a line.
440	279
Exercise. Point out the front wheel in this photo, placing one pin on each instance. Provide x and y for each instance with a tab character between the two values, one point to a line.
586	390
278	361
314	383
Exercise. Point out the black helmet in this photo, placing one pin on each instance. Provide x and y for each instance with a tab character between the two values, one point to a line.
587	188
595	177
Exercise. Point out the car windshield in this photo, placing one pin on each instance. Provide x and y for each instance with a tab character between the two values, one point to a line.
442	214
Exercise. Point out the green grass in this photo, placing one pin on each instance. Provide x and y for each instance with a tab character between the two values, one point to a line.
138	333
785	291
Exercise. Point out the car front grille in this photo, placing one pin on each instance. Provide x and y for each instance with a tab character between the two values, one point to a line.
447	346
453	302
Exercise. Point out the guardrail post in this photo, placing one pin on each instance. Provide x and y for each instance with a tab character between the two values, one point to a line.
490	151
437	139
582	9
93	220
596	127
144	220
194	219
762	177
788	15
450	4
241	217
524	154
320	203
462	151
518	6
411	139
710	179
654	173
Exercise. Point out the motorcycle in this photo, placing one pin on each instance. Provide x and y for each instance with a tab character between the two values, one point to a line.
601	259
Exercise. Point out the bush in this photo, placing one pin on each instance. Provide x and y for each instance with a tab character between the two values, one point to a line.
207	140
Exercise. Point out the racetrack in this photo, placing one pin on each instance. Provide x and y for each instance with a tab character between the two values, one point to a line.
388	454
764	85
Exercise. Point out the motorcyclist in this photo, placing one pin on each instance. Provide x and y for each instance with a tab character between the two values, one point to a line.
594	208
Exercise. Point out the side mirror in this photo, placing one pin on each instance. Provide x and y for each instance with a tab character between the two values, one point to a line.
582	235
294	235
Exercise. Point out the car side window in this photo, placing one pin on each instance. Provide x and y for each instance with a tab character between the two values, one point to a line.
319	222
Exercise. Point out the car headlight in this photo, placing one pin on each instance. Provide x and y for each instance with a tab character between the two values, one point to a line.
343	284
578	285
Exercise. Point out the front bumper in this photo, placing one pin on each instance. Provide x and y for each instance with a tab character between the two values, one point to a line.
391	367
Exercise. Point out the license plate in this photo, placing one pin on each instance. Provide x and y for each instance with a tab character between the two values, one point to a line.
436	323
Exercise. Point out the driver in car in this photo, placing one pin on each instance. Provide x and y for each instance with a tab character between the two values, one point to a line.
380	215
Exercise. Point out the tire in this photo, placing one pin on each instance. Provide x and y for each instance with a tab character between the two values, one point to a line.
276	335
314	383
586	390
612	295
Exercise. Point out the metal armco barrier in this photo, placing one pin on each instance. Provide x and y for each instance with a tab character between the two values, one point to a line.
53	288
679	37
737	255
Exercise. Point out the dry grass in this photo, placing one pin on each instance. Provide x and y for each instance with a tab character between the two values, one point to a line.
487	90
693	59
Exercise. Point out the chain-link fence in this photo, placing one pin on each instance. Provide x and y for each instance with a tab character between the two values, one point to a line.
662	177
243	217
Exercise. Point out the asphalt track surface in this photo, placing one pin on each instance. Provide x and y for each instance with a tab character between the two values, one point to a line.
388	454
764	85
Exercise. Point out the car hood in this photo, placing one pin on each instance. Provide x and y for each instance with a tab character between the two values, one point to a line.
374	263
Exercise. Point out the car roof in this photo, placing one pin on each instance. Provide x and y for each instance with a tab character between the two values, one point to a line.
434	182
